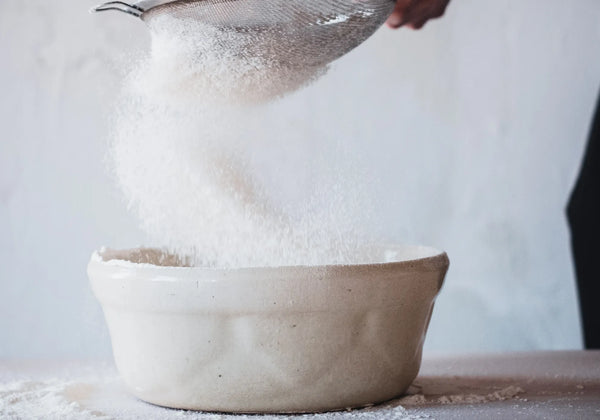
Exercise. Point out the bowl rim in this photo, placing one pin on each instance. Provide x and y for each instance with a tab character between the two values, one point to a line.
434	260
151	288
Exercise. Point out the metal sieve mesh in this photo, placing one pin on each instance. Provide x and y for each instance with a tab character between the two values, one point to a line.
305	33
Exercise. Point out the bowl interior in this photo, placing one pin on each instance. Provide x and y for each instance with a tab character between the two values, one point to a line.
372	255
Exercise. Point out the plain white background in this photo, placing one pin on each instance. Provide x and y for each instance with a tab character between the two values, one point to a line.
474	128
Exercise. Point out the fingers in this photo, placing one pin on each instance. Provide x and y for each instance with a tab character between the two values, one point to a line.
416	13
394	21
417	25
398	16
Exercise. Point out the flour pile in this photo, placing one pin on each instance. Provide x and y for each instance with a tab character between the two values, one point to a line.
507	393
190	114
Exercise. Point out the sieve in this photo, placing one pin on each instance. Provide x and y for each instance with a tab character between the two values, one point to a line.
306	33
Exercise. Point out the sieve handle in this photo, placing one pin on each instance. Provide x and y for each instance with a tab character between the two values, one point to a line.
120	6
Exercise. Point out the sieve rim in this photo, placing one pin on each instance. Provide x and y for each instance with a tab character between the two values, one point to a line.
137	9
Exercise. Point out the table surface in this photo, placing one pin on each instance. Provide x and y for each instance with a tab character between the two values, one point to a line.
535	385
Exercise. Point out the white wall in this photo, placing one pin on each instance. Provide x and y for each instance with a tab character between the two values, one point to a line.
474	126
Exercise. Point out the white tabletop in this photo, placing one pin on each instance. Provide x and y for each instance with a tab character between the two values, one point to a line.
536	385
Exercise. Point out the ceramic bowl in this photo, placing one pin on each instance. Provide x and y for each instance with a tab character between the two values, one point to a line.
273	339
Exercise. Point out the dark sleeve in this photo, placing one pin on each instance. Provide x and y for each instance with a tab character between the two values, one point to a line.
583	212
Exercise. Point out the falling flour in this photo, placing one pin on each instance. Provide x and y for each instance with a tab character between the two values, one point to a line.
201	63
189	114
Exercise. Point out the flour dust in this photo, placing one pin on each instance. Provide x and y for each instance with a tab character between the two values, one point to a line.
102	396
190	115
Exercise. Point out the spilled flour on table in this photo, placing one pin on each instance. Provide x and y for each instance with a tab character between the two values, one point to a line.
190	114
102	397
506	393
99	394
36	400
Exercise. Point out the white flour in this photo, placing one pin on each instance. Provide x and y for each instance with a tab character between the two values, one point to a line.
200	63
506	393
36	400
102	397
178	153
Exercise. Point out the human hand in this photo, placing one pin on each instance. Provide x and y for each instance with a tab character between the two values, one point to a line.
415	13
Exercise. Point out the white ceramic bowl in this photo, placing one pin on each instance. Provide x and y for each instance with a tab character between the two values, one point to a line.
280	339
